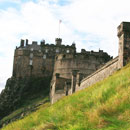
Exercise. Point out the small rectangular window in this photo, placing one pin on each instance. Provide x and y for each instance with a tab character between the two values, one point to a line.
68	51
57	50
30	62
44	56
46	50
31	55
31	49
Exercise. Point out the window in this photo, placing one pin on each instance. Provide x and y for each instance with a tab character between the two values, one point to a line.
68	51
46	50
31	49
57	50
30	62
31	55
44	56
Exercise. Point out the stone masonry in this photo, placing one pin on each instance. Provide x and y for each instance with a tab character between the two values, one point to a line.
83	72
70	71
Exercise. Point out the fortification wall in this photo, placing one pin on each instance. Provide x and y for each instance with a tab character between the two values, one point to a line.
32	63
65	65
86	64
102	73
38	60
59	88
124	43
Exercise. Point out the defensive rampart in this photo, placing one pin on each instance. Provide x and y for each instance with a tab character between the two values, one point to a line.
102	73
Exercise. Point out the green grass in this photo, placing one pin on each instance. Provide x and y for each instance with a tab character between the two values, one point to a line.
103	106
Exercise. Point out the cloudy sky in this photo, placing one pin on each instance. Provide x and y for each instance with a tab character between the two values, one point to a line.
91	24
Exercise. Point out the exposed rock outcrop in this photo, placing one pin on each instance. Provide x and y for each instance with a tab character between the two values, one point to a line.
19	90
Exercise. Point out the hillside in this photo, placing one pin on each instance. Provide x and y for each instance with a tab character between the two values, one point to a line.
103	106
22	95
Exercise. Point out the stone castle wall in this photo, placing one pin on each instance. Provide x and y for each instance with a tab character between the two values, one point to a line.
38	60
124	43
81	69
115	64
85	63
102	73
68	66
78	82
31	63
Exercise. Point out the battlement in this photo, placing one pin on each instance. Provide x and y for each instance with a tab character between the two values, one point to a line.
38	59
47	48
83	55
42	59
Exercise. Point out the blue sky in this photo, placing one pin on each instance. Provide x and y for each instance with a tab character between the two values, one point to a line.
6	4
91	24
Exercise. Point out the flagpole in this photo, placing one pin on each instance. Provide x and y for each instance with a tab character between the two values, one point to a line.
59	28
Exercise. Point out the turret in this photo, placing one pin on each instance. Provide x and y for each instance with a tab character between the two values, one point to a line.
58	41
42	42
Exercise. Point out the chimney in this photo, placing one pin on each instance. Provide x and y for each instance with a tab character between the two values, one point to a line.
43	42
26	42
22	43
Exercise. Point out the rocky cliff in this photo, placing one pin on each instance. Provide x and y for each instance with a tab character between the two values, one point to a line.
20	90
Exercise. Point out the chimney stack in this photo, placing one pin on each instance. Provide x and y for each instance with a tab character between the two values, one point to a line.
26	42
22	43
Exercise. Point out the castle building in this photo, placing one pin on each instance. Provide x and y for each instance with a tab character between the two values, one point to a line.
38	60
70	71
48	59
88	67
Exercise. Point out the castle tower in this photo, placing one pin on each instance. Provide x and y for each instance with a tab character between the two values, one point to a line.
58	41
124	43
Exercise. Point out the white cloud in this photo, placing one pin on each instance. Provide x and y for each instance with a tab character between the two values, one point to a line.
91	24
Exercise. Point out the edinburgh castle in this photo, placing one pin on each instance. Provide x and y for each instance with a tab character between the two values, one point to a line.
70	71
52	71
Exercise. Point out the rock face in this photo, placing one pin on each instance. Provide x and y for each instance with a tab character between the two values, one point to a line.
19	90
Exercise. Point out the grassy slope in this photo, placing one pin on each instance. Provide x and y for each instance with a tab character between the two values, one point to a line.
103	106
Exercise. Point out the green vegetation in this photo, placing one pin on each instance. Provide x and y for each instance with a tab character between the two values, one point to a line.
103	106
